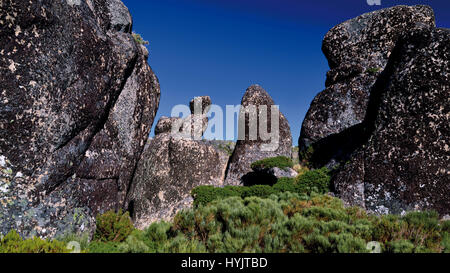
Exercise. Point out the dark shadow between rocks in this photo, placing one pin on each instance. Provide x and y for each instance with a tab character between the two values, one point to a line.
257	178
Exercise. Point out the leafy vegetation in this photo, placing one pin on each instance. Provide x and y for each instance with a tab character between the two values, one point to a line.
113	227
227	147
284	222
139	40
294	215
317	181
281	162
373	70
13	243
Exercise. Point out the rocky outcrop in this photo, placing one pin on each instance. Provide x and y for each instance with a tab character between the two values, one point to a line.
195	125
403	164
357	52
192	126
277	173
171	166
78	101
252	145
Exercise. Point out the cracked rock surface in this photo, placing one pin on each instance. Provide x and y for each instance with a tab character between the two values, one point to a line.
77	103
251	148
357	52
403	164
171	166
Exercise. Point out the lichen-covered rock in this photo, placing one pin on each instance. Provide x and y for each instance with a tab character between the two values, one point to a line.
403	164
166	124
78	100
253	147
357	52
200	105
171	166
279	172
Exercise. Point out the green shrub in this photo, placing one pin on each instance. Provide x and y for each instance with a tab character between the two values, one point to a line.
400	246
314	181
181	244
317	181
13	243
446	242
262	191
227	147
205	194
285	184
103	247
82	240
373	70
264	219
133	245
139	40
281	162
113	227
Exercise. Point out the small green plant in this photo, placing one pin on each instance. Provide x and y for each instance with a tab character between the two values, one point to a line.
139	40
227	147
373	70
281	162
315	180
113	227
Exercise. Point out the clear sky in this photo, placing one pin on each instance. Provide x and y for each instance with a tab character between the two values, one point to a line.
220	47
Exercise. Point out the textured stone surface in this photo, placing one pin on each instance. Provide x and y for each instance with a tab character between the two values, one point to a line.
357	52
170	168
248	150
280	173
165	124
404	162
200	105
78	100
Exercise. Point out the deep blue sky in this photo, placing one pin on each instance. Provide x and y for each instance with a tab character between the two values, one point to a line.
220	47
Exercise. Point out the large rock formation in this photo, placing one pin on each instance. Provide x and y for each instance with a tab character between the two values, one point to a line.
404	164
172	165
253	147
357	52
78	101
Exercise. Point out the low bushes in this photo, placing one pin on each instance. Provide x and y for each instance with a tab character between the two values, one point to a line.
285	222
113	227
13	243
292	216
317	181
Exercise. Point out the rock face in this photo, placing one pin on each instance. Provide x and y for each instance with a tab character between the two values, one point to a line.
357	52
253	147
78	101
404	162
170	168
